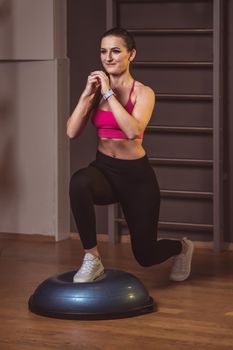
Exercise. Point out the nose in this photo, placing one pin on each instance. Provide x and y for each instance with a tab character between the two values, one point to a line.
109	56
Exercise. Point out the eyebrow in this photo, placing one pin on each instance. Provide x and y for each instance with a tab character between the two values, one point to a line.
112	48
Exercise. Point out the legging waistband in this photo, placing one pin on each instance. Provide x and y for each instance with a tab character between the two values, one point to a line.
114	161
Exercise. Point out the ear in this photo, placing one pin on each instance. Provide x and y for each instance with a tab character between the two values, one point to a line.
132	55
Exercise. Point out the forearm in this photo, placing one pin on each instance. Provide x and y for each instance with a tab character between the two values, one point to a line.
79	117
126	121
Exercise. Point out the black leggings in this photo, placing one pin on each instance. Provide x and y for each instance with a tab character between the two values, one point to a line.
133	184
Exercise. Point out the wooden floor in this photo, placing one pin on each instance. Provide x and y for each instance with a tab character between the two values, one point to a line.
195	314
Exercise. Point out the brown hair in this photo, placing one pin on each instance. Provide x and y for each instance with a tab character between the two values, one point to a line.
122	33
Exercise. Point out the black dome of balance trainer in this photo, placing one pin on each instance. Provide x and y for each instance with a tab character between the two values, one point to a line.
116	294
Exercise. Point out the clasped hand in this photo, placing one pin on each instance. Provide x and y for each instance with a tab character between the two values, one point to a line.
97	79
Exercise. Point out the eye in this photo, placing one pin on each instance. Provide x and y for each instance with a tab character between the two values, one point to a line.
102	51
116	51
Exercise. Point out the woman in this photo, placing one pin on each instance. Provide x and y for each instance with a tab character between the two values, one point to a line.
120	109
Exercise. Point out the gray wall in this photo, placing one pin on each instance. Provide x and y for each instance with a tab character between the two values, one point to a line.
84	29
33	108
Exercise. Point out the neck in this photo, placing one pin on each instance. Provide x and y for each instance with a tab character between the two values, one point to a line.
122	80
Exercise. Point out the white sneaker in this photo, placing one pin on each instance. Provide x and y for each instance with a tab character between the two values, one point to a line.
182	263
91	269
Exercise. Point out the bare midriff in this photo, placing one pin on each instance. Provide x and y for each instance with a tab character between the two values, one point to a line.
121	148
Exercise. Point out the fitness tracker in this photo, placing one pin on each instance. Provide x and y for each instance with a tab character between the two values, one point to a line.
108	94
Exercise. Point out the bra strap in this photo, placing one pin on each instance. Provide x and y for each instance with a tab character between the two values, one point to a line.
132	88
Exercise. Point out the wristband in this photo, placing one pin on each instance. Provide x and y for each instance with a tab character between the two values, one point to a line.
108	94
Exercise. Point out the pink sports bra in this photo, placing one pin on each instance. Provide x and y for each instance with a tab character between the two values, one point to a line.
106	123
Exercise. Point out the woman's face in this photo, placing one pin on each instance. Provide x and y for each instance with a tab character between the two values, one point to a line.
115	57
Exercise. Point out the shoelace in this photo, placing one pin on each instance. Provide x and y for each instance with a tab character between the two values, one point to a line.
87	265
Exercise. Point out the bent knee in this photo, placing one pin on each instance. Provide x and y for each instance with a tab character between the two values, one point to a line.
79	181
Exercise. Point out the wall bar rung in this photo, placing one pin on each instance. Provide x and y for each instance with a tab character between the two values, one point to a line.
185	226
186	194
171	31
181	162
175	64
179	129
184	97
169	225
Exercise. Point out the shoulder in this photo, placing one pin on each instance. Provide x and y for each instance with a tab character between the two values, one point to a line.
144	91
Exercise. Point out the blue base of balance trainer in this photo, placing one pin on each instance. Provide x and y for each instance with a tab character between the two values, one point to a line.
115	294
